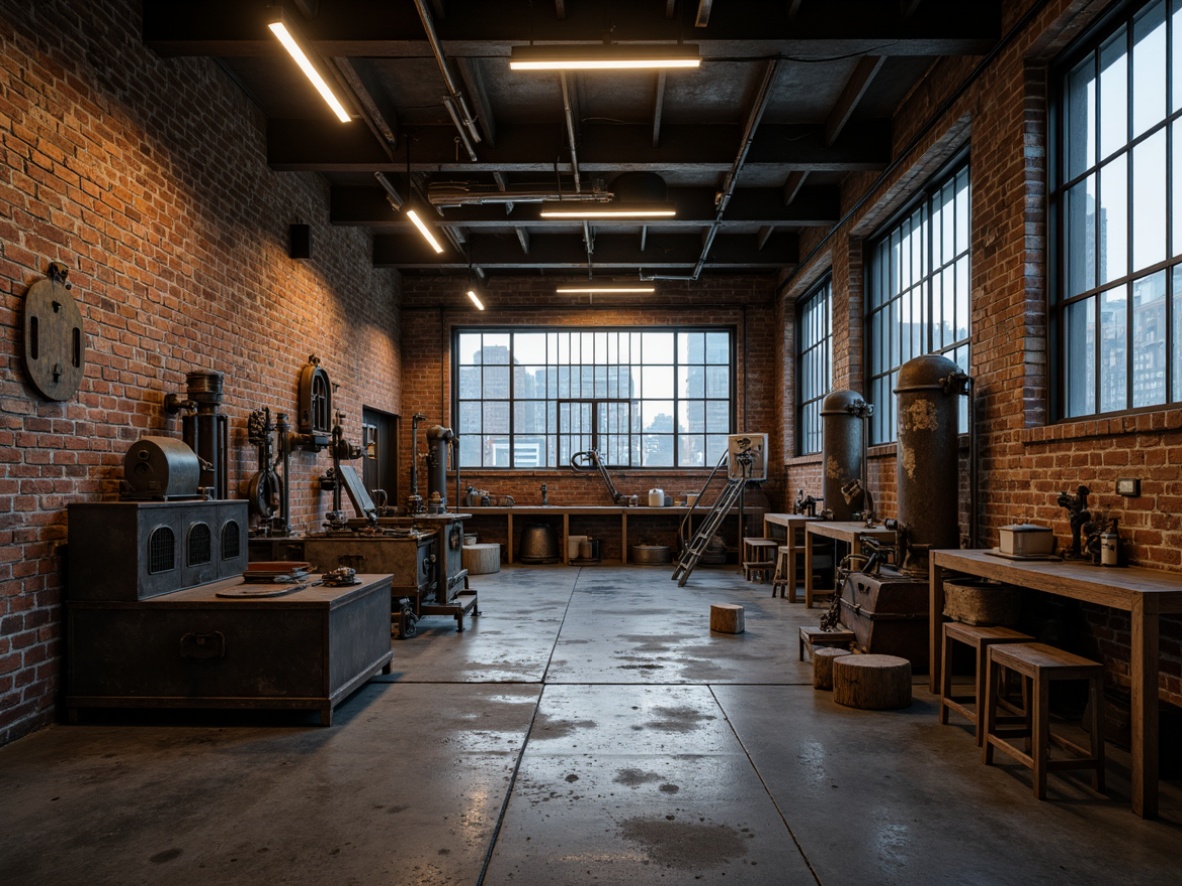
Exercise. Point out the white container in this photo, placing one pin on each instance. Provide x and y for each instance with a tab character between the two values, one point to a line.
1026	540
572	545
656	498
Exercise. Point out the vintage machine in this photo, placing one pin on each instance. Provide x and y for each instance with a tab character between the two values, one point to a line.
204	429
843	443
887	605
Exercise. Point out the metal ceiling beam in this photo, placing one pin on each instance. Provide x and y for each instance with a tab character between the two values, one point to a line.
793	185
658	108
868	66
614	251
751	29
379	113
316	146
814	207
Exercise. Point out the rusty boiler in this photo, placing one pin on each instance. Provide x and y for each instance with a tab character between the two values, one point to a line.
888	609
928	392
843	450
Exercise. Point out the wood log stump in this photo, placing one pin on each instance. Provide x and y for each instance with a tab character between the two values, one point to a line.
823	665
481	559
726	618
871	682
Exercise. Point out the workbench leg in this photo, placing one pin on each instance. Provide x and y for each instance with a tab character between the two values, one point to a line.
808	571
1143	668
935	621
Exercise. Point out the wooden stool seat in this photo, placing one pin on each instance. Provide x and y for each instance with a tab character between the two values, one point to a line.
1039	666
810	637
759	557
872	682
784	578
979	638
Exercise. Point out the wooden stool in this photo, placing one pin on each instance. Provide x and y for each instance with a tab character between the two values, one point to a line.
784	579
726	618
759	557
980	638
810	637
1039	665
872	682
823	665
481	559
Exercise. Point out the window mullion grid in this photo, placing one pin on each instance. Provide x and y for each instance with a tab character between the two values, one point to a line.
1129	212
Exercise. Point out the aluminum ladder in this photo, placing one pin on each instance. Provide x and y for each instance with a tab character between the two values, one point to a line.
697	546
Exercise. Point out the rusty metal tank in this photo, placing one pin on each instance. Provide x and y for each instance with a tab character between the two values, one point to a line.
842	449
928	392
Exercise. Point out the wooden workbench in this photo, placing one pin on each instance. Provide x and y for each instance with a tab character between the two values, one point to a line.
1145	594
849	532
794	540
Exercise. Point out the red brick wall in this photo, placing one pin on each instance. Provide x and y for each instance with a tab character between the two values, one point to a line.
433	307
1024	461
147	178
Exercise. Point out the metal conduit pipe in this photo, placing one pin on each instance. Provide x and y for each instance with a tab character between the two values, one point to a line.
574	163
732	177
460	109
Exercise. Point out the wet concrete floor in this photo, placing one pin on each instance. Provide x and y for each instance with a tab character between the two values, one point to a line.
587	728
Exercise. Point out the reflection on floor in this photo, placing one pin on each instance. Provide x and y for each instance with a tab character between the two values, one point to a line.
587	728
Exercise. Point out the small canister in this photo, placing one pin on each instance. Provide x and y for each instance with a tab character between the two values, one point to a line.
1110	546
656	498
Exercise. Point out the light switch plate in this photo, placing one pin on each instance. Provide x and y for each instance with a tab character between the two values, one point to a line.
1128	486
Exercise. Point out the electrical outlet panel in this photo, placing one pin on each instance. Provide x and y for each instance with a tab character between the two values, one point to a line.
1128	486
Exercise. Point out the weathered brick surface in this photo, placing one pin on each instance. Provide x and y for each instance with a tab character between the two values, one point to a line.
1024	461
147	177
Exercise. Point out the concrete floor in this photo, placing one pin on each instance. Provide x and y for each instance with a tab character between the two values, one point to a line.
587	728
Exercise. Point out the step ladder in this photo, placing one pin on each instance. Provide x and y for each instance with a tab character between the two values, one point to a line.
697	546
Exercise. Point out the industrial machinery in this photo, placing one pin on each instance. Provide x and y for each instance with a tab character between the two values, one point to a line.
204	429
886	605
843	436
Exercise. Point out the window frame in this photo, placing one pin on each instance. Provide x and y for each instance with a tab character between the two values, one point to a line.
1089	302
880	384
810	391
555	400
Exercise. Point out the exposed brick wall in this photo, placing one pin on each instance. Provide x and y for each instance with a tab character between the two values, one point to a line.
1024	461
434	306
147	178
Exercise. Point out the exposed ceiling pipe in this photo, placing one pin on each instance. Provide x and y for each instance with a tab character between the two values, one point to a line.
732	177
456	106
447	194
574	163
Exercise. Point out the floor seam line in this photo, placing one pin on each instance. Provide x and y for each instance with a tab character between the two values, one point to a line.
766	787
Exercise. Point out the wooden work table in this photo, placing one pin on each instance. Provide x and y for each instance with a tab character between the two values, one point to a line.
1145	594
849	532
794	540
674	514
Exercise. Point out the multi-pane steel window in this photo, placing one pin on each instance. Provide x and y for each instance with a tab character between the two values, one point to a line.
918	295
533	398
1117	206
814	370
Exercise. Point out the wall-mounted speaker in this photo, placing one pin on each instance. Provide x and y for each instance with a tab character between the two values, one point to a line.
300	242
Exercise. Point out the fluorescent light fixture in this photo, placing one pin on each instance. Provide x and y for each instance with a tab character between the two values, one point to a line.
424	230
603	57
280	30
605	288
475	299
562	209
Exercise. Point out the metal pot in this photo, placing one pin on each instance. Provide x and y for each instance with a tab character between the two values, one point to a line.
651	555
539	544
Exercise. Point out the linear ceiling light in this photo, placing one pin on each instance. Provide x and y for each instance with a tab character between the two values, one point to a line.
604	287
424	230
562	209
280	29
606	57
475	299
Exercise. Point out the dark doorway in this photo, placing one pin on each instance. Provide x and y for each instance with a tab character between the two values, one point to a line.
379	458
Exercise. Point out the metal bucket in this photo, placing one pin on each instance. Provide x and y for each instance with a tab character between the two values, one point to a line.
539	544
651	555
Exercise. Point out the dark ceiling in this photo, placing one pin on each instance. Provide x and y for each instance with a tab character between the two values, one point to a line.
752	146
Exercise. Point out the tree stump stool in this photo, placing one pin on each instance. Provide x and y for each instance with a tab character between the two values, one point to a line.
481	559
726	618
823	665
871	682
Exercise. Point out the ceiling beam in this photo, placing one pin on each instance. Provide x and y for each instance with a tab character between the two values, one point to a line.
470	73
702	19
616	251
378	112
316	146
751	29
814	207
658	108
868	66
793	184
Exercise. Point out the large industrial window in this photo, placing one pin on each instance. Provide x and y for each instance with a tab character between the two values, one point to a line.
532	398
1116	200
918	294
814	370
